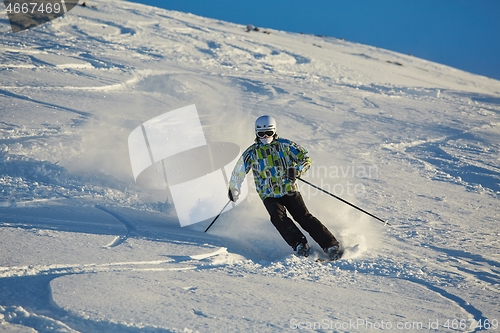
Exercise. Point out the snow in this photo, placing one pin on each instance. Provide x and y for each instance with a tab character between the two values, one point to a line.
85	249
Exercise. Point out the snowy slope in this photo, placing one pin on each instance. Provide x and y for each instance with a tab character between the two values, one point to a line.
84	249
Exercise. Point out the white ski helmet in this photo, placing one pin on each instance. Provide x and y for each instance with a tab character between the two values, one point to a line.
264	124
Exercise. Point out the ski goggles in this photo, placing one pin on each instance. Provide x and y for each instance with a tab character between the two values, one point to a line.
262	134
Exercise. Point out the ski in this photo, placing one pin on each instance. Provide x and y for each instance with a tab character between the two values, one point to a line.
327	260
318	256
330	260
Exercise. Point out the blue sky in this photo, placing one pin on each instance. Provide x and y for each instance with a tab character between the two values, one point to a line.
464	34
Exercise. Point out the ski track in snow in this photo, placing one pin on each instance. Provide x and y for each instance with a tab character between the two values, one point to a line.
73	90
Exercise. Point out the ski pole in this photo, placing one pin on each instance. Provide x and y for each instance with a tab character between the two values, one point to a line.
217	216
344	201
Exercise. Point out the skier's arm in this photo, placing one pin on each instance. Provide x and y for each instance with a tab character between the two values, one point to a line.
301	158
240	170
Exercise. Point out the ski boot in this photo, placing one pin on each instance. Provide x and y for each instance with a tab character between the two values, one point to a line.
334	252
303	250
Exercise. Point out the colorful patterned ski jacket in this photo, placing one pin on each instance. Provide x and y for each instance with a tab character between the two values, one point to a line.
269	163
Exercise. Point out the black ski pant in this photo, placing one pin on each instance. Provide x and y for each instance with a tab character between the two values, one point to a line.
293	202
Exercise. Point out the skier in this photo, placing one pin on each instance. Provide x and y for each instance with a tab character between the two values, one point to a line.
276	164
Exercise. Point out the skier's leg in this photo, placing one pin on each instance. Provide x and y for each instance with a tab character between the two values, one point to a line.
297	208
285	226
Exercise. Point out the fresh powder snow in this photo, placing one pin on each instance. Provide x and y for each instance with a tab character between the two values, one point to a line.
84	248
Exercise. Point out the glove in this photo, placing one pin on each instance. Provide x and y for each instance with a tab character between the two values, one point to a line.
292	173
233	194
